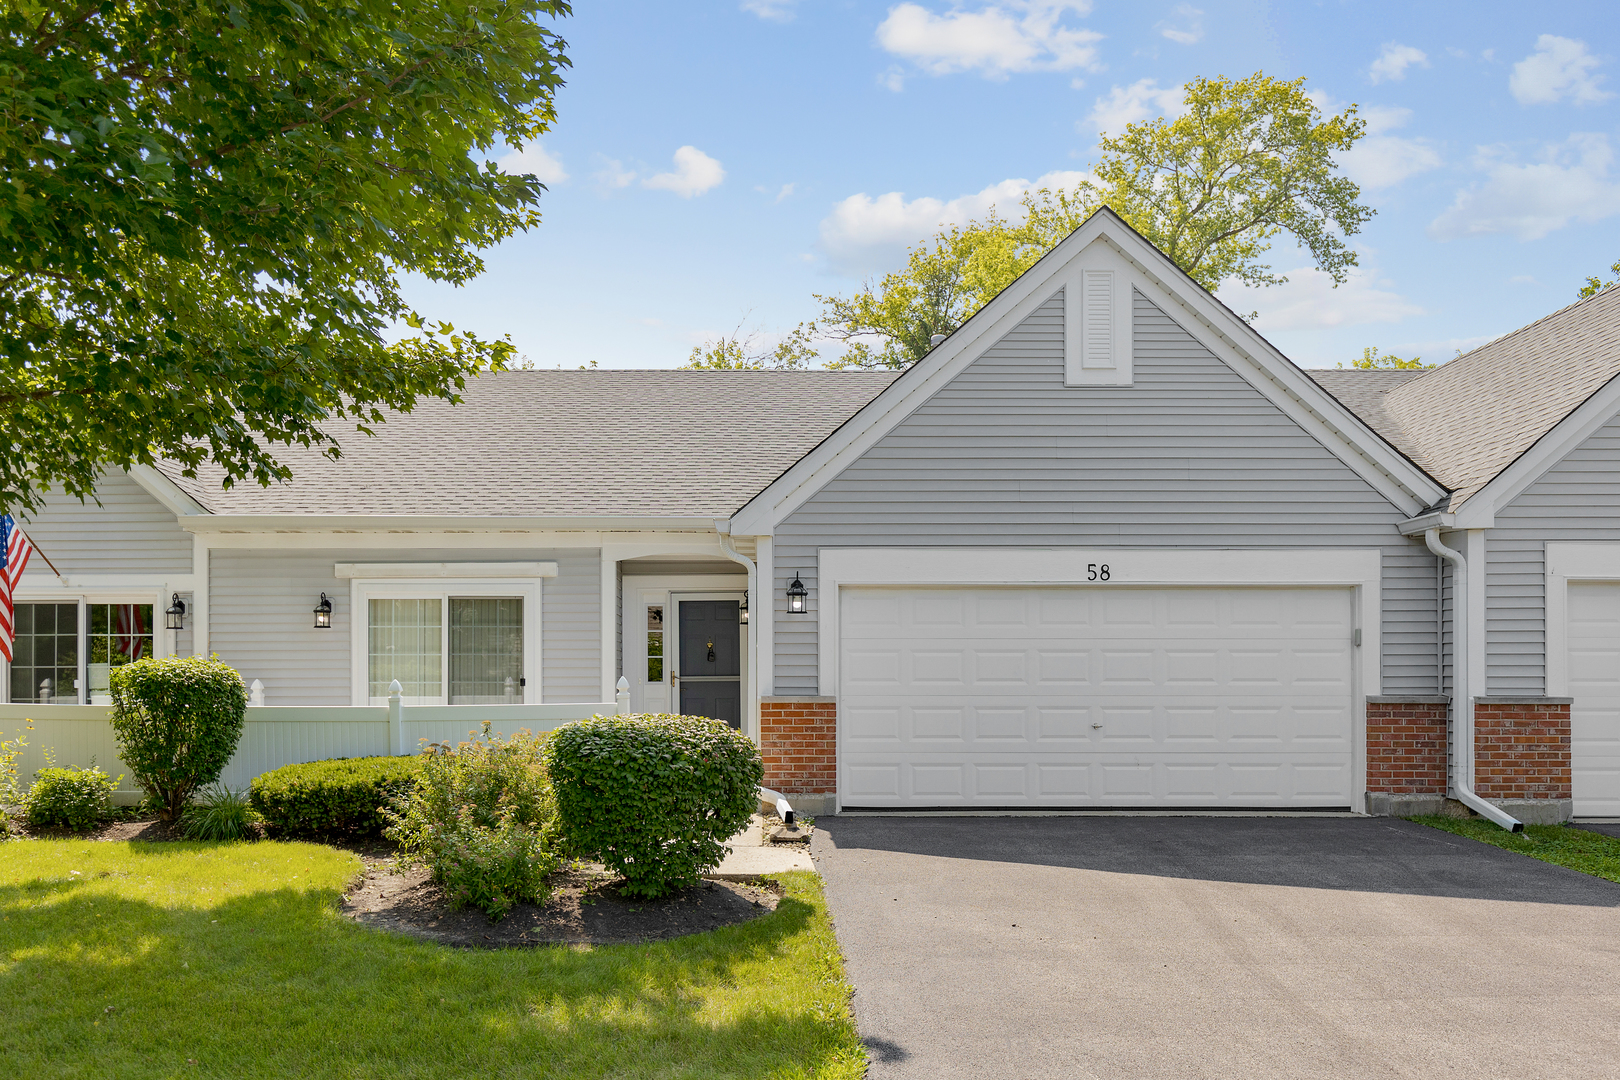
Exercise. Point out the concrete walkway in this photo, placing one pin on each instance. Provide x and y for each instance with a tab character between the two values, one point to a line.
750	856
1202	947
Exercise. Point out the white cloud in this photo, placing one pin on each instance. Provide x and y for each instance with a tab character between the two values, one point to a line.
1185	25
999	39
774	10
1308	301
893	78
1393	60
1559	68
695	172
534	159
614	175
787	189
1381	160
1141	100
863	234
1523	279
1572	182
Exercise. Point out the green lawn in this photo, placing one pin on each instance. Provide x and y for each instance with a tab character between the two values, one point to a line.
231	960
1589	852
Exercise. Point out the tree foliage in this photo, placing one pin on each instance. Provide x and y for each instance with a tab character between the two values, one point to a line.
738	351
1248	161
1372	360
205	208
1595	285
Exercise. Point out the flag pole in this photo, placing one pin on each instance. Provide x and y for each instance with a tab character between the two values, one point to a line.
42	554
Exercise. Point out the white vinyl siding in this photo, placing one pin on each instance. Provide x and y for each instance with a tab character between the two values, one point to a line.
1190	455
261	618
1577	499
129	533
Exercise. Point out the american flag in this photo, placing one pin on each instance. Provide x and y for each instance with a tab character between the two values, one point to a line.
14	551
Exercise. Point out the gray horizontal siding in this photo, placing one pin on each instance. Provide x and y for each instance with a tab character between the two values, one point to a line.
129	533
1190	456
260	619
1576	500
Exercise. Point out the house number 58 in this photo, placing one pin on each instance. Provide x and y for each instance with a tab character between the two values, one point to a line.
1096	571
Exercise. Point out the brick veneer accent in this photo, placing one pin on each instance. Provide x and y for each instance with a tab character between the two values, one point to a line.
1406	747
798	744
1521	750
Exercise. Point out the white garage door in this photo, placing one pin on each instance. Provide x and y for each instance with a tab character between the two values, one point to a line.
1594	683
1026	697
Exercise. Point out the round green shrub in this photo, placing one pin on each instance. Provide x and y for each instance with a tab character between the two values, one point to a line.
340	796
655	797
177	720
76	799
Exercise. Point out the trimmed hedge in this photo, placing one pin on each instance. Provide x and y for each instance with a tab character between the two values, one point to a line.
177	719
76	799
335	797
655	796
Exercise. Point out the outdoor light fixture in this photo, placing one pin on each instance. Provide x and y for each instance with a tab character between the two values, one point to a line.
323	614
742	610
176	614
796	595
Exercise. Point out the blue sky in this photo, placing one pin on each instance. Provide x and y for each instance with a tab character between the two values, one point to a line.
717	164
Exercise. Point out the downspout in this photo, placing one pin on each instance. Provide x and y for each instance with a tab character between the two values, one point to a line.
723	527
1462	702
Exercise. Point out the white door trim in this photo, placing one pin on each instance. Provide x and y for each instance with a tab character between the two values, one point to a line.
666	590
1565	563
1360	569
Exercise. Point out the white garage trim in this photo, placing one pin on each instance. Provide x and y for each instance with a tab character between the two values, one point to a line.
1566	563
1357	569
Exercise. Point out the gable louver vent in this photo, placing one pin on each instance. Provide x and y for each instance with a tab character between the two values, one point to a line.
1097	347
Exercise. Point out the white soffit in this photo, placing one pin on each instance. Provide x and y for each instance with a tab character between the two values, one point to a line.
1136	263
166	491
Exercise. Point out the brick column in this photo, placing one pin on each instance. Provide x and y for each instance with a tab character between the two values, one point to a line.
798	741
1521	749
1406	755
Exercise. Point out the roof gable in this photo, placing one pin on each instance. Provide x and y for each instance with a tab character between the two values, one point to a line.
1146	269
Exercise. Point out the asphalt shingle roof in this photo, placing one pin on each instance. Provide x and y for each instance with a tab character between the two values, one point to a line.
1467	420
568	444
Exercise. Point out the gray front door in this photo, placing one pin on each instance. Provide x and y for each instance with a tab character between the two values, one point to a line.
711	660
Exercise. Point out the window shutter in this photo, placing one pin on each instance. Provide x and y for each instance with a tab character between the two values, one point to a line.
1097	319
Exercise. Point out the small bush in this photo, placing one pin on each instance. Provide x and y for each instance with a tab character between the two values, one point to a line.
177	719
10	787
340	796
220	814
76	799
656	797
481	815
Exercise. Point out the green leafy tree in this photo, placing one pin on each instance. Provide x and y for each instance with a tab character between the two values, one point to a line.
1249	160
1596	285
1372	360
205	209
737	351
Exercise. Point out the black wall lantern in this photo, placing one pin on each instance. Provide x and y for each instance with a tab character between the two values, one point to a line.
796	595
323	614
175	616
742	609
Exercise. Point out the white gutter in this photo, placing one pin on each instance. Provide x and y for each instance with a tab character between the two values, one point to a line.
1462	701
723	527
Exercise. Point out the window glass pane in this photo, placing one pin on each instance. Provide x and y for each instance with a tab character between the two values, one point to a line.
655	643
486	650
45	655
404	643
119	634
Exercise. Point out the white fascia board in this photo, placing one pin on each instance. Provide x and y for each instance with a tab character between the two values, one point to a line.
404	571
1417	526
167	492
1479	510
349	523
1406	486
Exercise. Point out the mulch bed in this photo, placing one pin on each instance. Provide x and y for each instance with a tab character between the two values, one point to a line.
585	908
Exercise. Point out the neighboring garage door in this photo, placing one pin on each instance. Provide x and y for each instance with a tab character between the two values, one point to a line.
1076	697
1594	683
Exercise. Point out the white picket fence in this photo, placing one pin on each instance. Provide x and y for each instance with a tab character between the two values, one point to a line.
277	735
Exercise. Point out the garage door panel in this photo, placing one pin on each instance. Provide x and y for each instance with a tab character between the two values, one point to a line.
1077	697
1594	683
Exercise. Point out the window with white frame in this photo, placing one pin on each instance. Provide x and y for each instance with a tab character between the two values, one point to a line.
54	638
469	643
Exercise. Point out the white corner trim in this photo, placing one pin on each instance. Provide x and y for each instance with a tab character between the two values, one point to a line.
1232	340
167	492
417	570
1558	442
1568	562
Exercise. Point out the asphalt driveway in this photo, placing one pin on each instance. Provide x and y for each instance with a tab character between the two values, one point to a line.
1217	947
